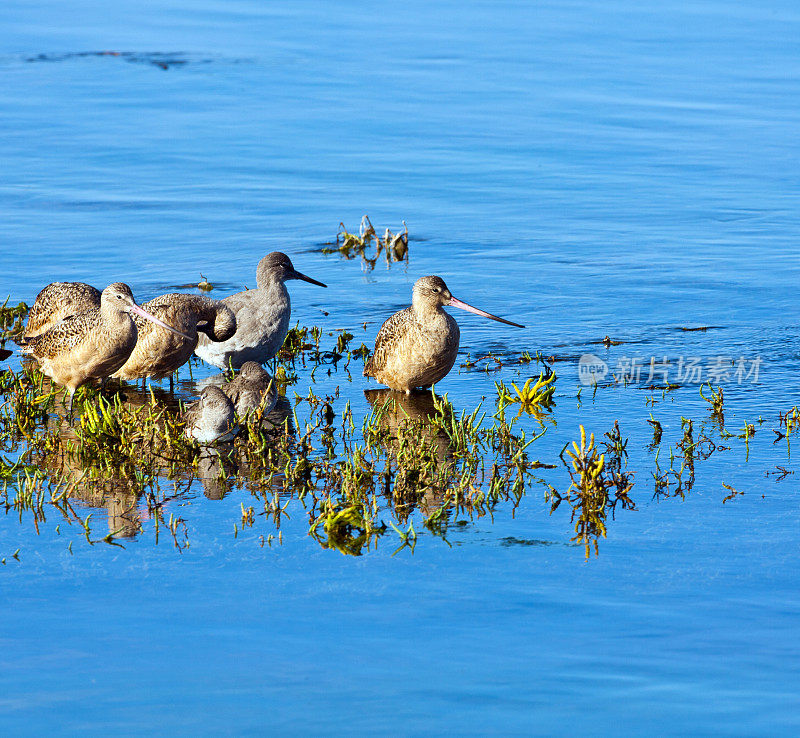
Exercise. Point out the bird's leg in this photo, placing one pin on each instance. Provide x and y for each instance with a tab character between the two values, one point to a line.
69	406
171	385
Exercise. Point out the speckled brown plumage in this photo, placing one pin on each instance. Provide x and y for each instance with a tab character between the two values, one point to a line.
158	353
411	351
58	300
417	347
91	345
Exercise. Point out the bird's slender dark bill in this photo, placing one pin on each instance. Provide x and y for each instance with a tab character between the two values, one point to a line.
136	309
463	305
300	275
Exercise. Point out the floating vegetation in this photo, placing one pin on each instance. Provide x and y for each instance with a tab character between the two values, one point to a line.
12	319
414	466
421	455
593	482
716	399
733	493
534	396
369	245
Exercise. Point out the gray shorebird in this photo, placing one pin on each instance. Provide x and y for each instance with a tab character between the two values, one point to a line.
56	301
252	389
417	346
157	354
91	344
211	417
262	316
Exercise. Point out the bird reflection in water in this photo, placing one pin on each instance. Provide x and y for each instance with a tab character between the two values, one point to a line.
421	450
217	471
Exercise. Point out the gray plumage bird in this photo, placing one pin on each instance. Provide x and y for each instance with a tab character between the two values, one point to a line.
252	391
211	417
262	316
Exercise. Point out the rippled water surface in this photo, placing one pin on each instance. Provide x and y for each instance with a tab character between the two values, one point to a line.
614	169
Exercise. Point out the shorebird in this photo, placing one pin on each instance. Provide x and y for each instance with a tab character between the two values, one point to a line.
210	418
262	316
58	300
92	344
252	389
417	346
158	354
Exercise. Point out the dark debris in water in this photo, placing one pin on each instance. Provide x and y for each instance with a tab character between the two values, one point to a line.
513	541
162	60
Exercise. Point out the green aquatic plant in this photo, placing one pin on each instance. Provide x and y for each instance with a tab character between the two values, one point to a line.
349	245
12	319
535	395
716	399
587	492
348	526
594	478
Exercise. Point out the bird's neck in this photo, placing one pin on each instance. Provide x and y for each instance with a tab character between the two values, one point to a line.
113	316
275	288
427	311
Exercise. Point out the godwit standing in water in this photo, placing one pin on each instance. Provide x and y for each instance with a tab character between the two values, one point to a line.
58	300
211	418
417	346
92	344
252	388
158	354
262	316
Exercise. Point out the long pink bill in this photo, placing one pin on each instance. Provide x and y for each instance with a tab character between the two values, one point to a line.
463	305
144	314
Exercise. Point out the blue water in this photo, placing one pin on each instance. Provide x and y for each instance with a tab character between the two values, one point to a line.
588	169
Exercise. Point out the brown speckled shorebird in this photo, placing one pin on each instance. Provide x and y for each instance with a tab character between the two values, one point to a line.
252	390
262	316
92	344
210	418
58	300
417	346
159	353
